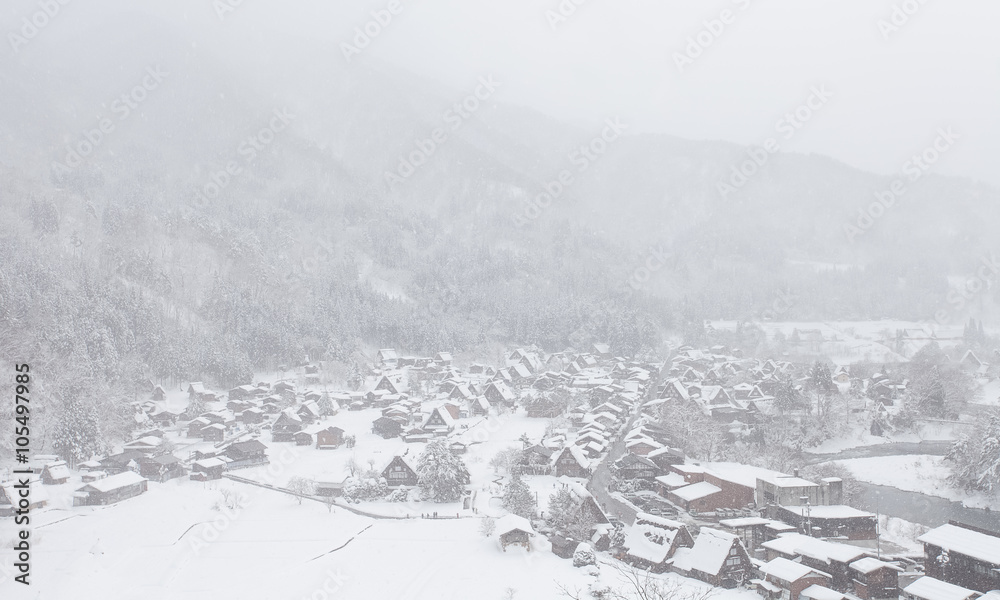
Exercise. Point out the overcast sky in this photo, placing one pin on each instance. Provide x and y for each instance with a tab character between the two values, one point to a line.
892	88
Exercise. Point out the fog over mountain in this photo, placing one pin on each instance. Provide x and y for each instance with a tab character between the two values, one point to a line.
221	191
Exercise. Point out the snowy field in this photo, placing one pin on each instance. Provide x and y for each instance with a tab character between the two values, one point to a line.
925	432
173	542
914	473
845	342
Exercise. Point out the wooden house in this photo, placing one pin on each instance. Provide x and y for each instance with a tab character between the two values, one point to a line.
497	392
328	437
828	557
973	556
514	530
55	473
718	558
10	496
438	422
632	466
929	588
111	489
399	474
387	428
286	426
250	453
208	469
386	358
786	579
161	468
479	406
874	579
665	457
252	416
651	542
118	463
572	462
165	417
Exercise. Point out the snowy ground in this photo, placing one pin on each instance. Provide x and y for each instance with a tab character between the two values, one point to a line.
174	542
846	342
914	473
925	432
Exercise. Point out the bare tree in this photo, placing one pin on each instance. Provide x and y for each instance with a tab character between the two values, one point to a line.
301	485
640	585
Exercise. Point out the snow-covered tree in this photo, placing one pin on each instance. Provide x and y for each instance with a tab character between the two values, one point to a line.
487	526
504	459
976	457
369	485
325	405
518	498
77	433
442	476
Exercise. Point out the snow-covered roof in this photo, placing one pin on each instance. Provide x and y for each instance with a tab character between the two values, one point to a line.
929	588
671	480
148	441
869	565
578	454
643	440
696	491
787	481
209	463
744	522
834	511
658	521
38	493
709	552
688	468
649	542
964	541
804	545
57	470
766	585
819	592
123	479
659	451
509	523
449	421
786	570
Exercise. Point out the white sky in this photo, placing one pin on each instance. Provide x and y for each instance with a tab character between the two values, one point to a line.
614	58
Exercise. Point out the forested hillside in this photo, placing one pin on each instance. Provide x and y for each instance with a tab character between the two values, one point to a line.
113	271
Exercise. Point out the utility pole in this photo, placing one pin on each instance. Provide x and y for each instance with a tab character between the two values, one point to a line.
878	532
806	515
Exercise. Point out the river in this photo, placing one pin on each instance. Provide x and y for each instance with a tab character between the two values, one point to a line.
910	506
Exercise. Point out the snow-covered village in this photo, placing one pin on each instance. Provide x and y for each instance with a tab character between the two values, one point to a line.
568	474
517	300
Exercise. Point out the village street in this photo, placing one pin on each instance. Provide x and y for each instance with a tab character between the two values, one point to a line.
601	478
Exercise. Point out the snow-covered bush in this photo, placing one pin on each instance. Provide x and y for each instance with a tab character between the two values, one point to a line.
368	486
398	496
584	555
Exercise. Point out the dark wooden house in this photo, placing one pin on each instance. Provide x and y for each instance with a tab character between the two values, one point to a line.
386	427
246	454
398	473
111	489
